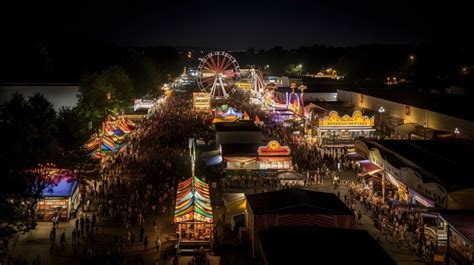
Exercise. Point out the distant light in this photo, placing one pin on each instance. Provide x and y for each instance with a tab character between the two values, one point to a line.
456	131
381	109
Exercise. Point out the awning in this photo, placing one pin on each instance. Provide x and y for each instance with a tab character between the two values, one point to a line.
208	154
290	176
355	156
406	128
369	167
275	158
235	203
241	159
213	160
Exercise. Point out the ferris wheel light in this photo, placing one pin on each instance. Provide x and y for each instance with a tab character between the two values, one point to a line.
218	73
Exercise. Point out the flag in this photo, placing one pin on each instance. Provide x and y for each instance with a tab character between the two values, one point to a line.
246	116
301	109
257	119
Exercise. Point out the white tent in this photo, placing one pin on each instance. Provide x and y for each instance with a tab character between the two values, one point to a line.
291	178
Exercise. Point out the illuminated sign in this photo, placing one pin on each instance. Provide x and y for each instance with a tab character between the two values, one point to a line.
143	104
53	203
273	148
201	101
346	121
243	85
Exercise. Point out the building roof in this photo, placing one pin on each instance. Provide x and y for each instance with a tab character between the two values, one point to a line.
239	126
311	89
297	201
452	105
461	221
250	149
320	245
342	108
64	188
445	162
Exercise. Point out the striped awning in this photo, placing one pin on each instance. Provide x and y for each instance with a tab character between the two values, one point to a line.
354	156
369	167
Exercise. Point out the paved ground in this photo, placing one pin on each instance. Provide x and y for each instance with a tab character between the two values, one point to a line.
400	254
37	241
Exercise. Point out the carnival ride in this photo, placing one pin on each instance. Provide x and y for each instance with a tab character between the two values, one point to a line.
218	73
225	113
258	85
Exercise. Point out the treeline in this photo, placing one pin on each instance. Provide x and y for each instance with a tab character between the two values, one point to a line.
110	76
65	57
34	134
431	64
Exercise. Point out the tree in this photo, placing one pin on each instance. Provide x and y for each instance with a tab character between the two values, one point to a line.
118	83
109	91
33	135
292	69
72	128
143	72
29	128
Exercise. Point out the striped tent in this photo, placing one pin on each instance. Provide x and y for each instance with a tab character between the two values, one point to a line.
193	202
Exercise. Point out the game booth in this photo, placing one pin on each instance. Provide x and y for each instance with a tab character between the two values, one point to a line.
113	136
60	198
193	214
336	131
225	113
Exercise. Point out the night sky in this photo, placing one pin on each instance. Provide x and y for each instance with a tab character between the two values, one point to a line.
244	24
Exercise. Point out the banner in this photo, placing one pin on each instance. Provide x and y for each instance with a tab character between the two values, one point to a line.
201	102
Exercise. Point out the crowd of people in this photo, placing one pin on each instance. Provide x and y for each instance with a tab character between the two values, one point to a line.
399	223
135	188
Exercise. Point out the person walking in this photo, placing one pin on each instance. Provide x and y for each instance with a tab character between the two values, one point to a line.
158	244
62	239
73	236
142	233
145	242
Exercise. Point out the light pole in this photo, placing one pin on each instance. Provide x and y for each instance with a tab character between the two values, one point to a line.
300	66
456	132
334	146
424	131
381	111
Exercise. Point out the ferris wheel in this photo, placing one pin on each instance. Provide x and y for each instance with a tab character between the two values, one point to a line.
218	74
257	82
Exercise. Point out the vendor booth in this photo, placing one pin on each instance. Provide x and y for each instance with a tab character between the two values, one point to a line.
193	213
60	198
334	130
291	179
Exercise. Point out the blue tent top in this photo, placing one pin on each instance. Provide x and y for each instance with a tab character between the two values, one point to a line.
118	132
213	160
64	188
232	112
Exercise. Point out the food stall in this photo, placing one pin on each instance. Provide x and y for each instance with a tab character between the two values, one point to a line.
334	130
274	156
